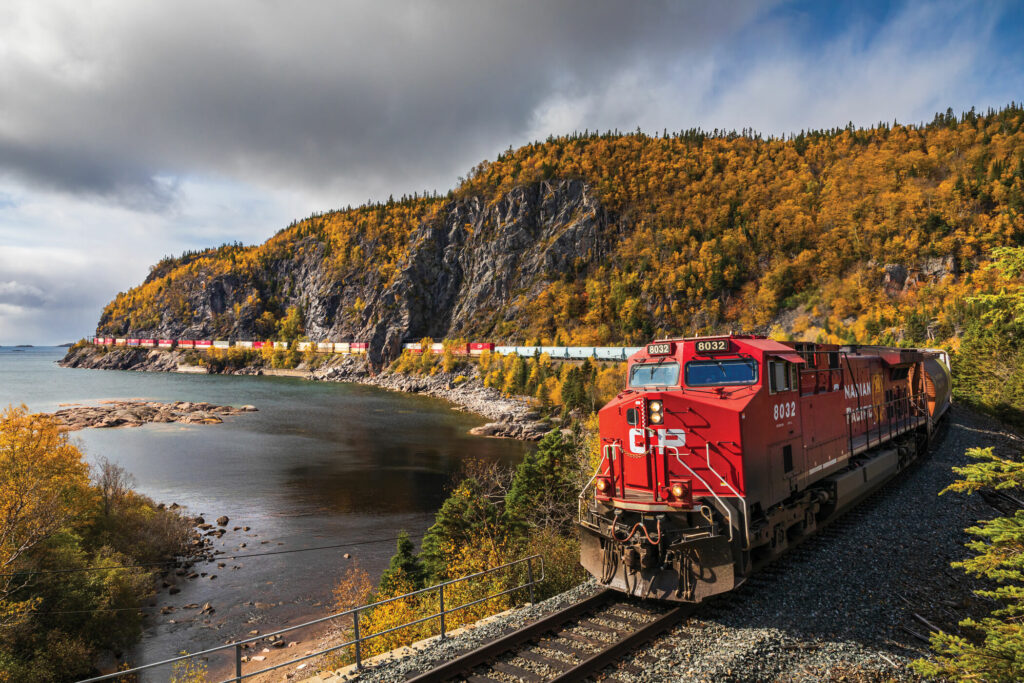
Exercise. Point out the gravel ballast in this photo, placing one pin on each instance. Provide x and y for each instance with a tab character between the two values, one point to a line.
845	605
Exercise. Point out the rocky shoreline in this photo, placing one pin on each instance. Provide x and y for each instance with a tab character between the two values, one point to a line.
509	417
135	413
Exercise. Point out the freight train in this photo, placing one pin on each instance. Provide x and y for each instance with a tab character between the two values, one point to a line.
601	353
467	349
722	451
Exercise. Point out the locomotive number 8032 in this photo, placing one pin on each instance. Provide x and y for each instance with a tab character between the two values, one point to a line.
745	453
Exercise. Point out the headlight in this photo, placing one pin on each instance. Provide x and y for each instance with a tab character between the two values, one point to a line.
677	490
654	413
602	485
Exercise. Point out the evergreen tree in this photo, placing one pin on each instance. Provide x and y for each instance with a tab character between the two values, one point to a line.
465	515
544	489
997	654
405	568
574	393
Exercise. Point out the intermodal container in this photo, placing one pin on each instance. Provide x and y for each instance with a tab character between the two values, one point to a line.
120	342
459	349
244	344
186	344
108	341
325	347
305	346
477	348
132	341
204	344
148	343
221	344
165	343
412	348
281	345
342	347
359	347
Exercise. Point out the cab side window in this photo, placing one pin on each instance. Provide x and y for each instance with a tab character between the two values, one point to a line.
781	377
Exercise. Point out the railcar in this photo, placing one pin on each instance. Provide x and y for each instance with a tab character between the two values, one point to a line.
478	348
722	451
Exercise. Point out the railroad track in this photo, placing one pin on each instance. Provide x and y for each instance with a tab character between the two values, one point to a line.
568	645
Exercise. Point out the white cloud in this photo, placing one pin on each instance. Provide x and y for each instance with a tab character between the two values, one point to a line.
133	131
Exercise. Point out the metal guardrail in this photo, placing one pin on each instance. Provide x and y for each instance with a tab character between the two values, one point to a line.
358	639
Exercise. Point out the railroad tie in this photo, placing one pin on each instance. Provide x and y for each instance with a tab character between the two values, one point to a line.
556	664
517	671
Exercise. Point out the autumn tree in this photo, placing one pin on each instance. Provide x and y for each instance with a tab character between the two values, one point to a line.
43	487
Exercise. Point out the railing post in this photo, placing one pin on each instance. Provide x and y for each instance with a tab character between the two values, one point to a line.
529	576
238	662
440	593
355	624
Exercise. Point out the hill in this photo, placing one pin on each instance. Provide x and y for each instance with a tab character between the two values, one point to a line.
848	234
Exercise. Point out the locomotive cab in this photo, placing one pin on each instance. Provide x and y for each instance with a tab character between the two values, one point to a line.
720	451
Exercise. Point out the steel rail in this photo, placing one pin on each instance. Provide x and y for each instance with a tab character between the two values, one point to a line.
489	652
615	651
492	650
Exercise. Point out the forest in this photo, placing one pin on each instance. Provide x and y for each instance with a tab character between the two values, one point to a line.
873	234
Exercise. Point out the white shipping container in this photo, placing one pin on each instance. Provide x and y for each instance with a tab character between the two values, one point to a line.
243	344
305	346
221	344
281	345
325	347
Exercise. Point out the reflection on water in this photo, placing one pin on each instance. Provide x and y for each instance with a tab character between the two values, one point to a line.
319	464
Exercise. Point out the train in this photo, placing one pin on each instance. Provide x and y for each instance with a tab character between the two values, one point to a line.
721	452
600	353
467	349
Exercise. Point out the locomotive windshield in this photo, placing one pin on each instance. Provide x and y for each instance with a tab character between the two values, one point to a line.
714	373
654	375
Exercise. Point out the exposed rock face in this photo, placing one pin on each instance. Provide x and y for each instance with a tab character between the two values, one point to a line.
138	413
122	358
472	260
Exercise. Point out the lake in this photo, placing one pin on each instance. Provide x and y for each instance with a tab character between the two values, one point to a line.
318	464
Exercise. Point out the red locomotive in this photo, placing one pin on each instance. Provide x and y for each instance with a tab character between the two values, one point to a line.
723	450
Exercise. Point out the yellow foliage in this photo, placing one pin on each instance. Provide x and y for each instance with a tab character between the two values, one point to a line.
724	232
44	485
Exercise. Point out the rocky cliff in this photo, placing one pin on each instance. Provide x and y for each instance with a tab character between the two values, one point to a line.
843	235
467	268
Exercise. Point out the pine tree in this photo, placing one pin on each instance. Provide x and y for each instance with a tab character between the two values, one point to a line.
544	489
997	653
463	516
405	568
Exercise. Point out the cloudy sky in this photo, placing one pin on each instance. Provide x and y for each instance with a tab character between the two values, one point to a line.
133	130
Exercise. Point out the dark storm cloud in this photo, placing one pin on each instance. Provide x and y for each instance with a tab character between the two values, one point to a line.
105	99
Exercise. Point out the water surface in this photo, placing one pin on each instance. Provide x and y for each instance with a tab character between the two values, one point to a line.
319	464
